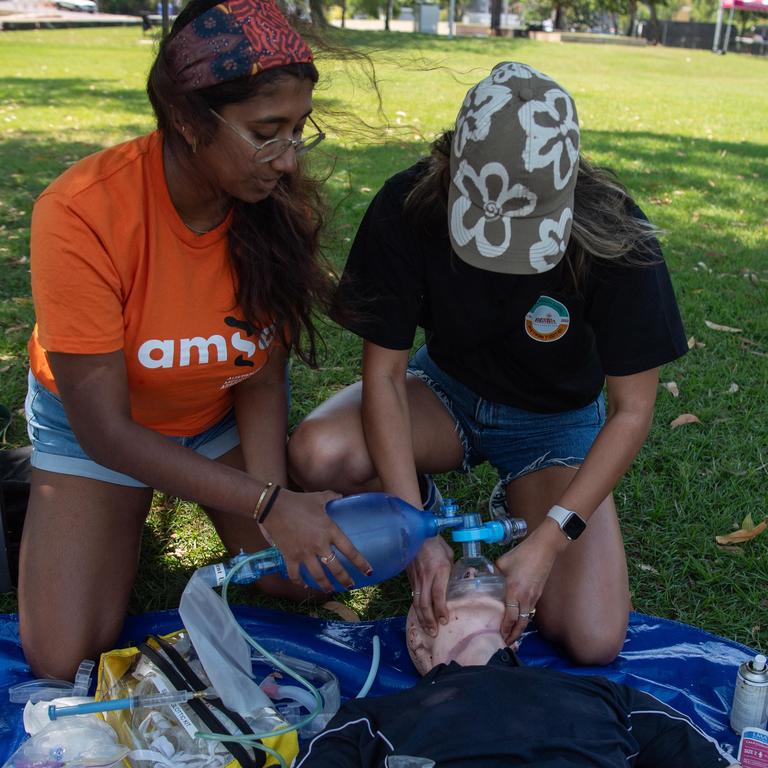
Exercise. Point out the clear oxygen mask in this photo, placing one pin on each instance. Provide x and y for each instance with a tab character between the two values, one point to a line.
474	575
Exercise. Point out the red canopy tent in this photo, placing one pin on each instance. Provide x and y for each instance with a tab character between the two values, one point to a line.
757	6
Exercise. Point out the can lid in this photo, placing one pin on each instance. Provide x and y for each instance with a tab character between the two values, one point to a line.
758	665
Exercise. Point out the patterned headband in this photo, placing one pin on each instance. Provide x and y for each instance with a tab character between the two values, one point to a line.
234	39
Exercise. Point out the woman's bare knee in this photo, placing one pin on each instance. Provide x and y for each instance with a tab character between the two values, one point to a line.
78	559
322	455
276	586
58	655
591	646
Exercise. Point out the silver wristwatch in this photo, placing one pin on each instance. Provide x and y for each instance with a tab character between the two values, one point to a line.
570	523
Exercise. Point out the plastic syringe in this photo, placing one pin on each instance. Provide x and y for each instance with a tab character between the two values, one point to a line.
131	702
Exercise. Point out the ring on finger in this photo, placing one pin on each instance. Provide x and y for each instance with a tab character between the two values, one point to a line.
527	614
415	593
513	605
327	559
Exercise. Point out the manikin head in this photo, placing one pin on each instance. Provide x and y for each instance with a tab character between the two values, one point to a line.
471	636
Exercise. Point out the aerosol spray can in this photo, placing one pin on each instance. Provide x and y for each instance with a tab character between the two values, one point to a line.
750	698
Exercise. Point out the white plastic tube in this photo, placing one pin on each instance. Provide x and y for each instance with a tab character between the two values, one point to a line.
374	670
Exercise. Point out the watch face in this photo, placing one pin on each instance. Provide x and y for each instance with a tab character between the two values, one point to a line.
574	526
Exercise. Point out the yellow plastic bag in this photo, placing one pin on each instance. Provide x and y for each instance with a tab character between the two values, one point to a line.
169	663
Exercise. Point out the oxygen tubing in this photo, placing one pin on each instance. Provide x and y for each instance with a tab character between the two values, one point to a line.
373	670
254	739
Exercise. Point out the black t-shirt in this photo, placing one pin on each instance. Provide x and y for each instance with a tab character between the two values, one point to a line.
531	341
505	715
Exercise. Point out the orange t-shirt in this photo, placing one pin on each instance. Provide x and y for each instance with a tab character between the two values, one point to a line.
114	267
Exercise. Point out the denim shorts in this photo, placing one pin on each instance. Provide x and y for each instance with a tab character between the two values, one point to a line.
514	441
56	449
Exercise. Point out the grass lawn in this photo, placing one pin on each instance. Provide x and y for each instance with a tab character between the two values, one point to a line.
686	132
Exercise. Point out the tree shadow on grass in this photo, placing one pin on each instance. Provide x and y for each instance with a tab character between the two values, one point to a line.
74	92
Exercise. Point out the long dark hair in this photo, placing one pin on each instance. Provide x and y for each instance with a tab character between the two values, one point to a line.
603	226
274	245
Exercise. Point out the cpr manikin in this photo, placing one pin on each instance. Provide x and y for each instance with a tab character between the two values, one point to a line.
471	636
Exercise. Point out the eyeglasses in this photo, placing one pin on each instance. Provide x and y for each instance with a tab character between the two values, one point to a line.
272	149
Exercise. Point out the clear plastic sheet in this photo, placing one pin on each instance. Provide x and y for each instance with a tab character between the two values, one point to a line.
688	668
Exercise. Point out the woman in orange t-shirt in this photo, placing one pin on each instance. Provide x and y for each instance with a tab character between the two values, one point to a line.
171	275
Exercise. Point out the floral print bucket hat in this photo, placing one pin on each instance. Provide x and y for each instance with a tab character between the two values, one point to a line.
514	163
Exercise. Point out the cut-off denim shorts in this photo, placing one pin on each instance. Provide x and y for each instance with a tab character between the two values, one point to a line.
515	442
56	449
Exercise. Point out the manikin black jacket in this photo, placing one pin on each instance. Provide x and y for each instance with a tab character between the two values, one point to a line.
502	714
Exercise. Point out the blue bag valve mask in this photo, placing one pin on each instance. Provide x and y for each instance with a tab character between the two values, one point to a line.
473	573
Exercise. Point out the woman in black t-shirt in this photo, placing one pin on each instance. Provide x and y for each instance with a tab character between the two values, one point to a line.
537	280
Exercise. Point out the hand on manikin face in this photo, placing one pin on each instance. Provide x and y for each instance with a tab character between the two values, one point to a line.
471	636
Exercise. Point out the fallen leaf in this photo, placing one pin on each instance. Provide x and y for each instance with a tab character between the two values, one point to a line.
684	418
661	200
711	183
748	274
732	550
744	343
714	255
733	388
742	535
648	568
748	524
341	610
672	388
696	216
693	343
718	327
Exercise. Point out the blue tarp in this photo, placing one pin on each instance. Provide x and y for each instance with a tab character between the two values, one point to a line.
689	669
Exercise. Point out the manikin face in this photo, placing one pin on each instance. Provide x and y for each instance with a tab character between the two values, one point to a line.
471	636
280	111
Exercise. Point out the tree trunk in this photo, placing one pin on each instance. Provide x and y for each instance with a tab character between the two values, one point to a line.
317	13
632	12
559	17
496	17
654	25
343	14
388	17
